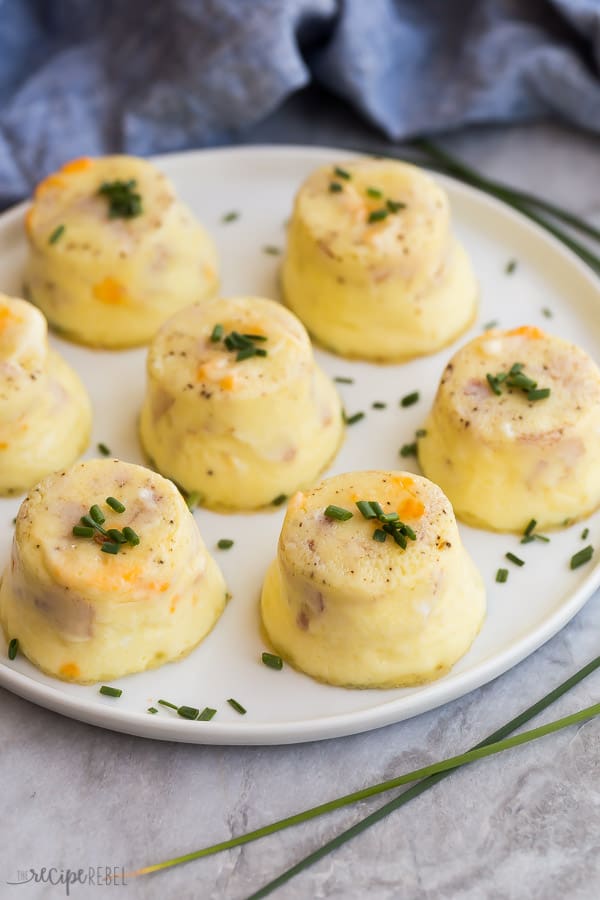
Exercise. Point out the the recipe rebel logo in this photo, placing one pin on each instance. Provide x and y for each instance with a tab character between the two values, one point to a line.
94	876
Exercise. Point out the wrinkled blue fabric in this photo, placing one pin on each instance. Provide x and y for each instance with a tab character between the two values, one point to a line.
144	76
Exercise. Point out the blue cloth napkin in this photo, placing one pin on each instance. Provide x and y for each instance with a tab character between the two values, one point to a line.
144	76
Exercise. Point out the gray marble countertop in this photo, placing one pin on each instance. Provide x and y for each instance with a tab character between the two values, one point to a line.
523	825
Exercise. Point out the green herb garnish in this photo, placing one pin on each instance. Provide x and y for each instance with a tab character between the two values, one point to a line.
85	531
501	576
169	705
379	535
224	544
103	449
272	661
152	709
110	547
581	557
530	527
117	536
56	234
352	420
341	379
115	504
13	648
230	217
97	515
271	250
110	691
547	312
379	405
217	333
335	187
408	450
193	499
510	267
374	192
515	559
123	201
366	509
130	536
188	712
584	534
410	399
377	215
338	513
237	706
281	498
207	714
489	325
342	173
421	433
539	394
395	206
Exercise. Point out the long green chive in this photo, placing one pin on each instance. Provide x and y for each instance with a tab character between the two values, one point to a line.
109	547
230	217
56	234
272	660
515	559
193	499
539	394
377	215
530	527
584	534
374	192
335	187
207	714
395	206
408	450
501	576
237	706
224	544
581	557
110	691
338	513
85	531
152	709
169	705
188	712
342	173
353	419
117	536
279	499
104	450
217	333
382	787
97	515
13	648
379	535
341	379
410	399
366	509
130	536
510	267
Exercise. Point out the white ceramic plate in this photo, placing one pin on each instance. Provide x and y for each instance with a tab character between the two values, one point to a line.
285	707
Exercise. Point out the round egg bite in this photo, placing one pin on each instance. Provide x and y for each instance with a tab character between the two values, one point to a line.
514	431
371	266
236	408
85	615
112	251
45	414
367	601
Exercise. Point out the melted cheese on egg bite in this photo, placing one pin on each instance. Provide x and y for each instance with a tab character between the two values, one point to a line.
351	610
45	414
240	432
504	456
104	279
84	615
371	266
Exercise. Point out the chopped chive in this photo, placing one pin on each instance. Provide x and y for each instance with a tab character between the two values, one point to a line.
501	576
152	709
492	380
530	527
399	538
117	536
408	531
272	661
217	333
188	712
374	192
207	714
377	215
389	517
230	217
97	514
130	536
410	399
338	513
224	544
109	547
510	267
583	556
489	325
353	419
408	450
85	531
379	405
110	691
366	509
516	368
237	706
376	507
547	312
342	173
341	379
539	394
166	703
245	353
520	380
56	234
515	559
87	520
13	648
335	187
115	504
193	499
379	535
541	537
395	206
123	201
255	337
271	250
103	449
584	534
527	539
281	498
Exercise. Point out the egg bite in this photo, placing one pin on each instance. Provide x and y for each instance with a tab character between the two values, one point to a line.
236	408
112	251
45	413
514	431
85	615
371	265
384	597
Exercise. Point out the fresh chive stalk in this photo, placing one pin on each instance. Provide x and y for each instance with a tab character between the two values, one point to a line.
13	648
410	399
272	660
110	691
338	513
237	706
115	504
581	557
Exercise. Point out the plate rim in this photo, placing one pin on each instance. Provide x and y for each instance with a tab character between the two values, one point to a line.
440	692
